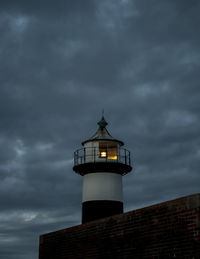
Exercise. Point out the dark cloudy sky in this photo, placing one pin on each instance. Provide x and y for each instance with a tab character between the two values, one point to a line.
61	62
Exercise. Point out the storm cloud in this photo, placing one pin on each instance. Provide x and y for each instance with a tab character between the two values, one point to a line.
62	62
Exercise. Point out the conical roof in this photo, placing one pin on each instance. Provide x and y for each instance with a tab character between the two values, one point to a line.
102	133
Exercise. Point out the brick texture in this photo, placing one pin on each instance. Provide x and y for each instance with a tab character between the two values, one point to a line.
166	230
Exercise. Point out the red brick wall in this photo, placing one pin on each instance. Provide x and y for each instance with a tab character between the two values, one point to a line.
166	230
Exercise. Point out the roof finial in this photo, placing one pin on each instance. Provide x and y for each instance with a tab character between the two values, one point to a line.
102	123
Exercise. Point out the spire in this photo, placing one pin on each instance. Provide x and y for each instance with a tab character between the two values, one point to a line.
102	133
102	123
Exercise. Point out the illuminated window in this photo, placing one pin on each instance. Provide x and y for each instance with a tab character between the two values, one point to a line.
102	149
108	150
112	153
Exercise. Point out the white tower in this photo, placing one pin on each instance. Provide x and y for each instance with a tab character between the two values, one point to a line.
102	162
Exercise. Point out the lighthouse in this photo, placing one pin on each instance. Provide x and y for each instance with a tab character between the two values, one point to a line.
102	162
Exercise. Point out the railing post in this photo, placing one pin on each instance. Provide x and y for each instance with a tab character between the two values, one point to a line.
125	155
106	152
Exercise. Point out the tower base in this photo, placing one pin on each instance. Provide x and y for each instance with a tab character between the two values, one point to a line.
97	209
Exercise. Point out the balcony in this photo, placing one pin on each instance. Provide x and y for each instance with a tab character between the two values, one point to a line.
93	159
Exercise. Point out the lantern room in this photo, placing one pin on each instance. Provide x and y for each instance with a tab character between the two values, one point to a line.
102	152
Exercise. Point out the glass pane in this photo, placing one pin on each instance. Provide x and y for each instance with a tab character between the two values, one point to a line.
108	150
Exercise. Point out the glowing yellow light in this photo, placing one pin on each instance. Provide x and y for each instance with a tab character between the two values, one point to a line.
103	154
112	157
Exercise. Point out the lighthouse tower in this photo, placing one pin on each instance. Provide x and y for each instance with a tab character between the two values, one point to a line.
102	162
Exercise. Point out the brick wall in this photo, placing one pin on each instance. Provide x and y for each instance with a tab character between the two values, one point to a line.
166	230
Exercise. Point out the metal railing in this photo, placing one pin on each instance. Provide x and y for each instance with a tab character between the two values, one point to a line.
93	155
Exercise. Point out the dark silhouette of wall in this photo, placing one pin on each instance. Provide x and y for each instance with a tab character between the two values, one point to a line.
166	230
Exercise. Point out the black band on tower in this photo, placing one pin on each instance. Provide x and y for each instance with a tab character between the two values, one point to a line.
97	209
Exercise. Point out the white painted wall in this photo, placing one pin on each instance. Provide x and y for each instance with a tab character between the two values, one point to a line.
102	186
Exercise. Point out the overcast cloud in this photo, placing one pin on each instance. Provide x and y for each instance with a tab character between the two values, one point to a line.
61	63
